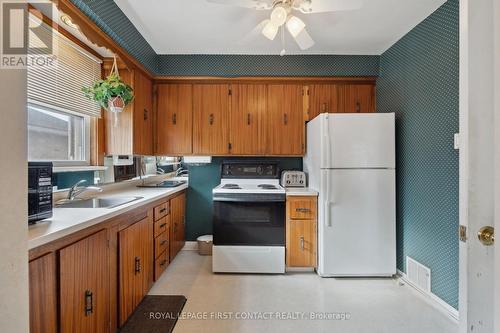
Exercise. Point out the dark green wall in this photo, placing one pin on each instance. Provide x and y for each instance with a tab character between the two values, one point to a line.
202	179
418	81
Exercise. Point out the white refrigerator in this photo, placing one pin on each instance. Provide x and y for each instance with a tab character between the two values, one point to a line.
350	161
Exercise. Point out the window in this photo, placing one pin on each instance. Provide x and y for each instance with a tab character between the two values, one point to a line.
57	136
58	112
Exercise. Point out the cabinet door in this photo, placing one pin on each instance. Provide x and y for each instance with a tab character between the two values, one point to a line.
323	98
211	119
174	119
177	230
285	120
84	285
143	115
248	131
302	247
135	266
357	98
43	294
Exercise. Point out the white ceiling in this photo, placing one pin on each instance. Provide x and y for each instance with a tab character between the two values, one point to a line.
199	27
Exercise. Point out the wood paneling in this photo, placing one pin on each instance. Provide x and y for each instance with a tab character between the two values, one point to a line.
143	115
301	231
177	227
43	294
248	119
84	285
135	266
211	103
357	98
323	98
174	119
285	130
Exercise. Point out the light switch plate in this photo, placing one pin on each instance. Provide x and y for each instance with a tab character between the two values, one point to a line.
456	141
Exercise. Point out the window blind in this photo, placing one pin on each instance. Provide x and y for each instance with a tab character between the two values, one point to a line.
60	86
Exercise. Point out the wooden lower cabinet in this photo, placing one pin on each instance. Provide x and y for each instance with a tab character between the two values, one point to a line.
301	231
135	266
84	285
43	294
177	228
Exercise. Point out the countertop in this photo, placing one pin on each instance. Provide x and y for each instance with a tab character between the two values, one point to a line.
66	221
300	191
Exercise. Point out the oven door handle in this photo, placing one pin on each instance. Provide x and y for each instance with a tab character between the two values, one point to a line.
248	197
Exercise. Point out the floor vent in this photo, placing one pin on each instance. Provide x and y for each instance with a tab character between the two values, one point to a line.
418	274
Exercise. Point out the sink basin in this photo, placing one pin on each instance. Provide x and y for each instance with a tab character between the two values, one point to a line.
111	202
165	184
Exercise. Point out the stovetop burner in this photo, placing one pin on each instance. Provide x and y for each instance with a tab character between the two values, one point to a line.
231	186
267	187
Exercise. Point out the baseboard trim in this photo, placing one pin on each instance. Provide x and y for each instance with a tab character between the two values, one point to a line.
190	246
432	299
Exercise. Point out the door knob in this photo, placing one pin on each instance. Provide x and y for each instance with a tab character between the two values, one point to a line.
486	235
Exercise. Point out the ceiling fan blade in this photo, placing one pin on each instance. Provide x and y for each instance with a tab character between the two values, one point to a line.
254	33
322	6
304	40
253	4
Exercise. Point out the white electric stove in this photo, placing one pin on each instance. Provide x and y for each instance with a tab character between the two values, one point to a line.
249	219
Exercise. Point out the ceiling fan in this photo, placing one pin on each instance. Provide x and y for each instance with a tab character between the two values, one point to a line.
281	16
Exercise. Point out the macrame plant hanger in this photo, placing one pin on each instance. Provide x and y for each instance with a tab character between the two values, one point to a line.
115	104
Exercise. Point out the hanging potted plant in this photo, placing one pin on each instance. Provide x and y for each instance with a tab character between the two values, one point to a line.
111	93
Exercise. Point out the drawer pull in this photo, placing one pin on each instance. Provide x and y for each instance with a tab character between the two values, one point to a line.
163	242
163	262
162	225
301	241
137	265
163	210
303	210
89	307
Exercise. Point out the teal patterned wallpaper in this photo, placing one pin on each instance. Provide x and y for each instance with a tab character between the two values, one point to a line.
419	82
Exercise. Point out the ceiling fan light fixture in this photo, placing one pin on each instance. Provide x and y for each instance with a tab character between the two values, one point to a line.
295	26
270	30
279	15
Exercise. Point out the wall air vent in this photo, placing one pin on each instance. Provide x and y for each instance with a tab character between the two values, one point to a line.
418	274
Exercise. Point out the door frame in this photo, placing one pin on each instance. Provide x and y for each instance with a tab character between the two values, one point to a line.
479	195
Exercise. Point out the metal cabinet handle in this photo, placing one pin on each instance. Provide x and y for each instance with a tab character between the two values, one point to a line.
301	241
323	107
211	119
163	262
162	225
163	210
145	114
174	119
285	118
248	119
89	307
303	210
358	106
137	265
163	242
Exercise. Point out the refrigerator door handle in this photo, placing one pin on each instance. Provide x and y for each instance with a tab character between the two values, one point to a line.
328	220
326	138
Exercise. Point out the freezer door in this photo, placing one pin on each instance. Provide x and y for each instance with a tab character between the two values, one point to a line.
357	226
354	140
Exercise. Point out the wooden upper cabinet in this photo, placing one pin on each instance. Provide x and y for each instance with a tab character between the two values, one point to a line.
174	120
143	115
211	104
135	265
248	119
323	98
131	131
84	285
43	294
285	128
357	98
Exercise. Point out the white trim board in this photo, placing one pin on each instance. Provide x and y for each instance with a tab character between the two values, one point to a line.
432	299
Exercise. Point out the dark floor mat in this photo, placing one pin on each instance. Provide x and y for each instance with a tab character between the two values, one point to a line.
155	314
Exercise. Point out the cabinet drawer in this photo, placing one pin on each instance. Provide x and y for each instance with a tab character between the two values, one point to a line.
161	243
302	243
161	264
161	225
161	211
302	208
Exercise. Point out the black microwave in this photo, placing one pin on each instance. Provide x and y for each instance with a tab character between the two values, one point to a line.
39	191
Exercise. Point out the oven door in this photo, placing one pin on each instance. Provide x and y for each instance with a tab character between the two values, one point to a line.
249	219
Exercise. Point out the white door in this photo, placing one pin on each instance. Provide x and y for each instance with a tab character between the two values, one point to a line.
479	286
353	140
358	223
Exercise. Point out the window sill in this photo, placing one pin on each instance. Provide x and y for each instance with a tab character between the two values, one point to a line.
60	169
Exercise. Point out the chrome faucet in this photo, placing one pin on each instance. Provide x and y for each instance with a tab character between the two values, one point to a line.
76	189
181	171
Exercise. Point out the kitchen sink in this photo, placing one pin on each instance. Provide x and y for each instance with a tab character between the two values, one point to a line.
111	202
165	184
